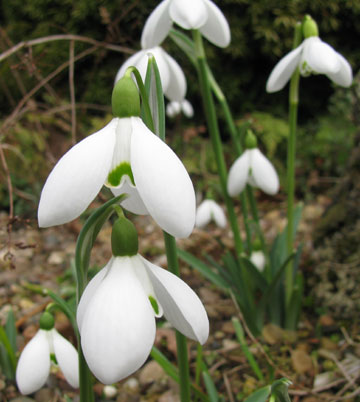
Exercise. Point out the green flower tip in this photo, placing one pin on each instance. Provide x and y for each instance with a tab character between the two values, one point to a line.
125	100
124	238
47	321
309	27
250	140
154	304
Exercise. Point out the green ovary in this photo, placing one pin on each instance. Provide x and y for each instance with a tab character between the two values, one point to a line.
115	176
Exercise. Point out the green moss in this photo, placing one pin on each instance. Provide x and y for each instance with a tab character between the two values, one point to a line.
115	176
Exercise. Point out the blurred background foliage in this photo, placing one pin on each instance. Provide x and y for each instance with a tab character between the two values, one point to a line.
262	32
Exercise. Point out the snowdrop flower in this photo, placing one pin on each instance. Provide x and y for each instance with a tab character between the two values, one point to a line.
172	77
34	363
203	15
174	108
253	168
258	259
116	313
127	157
313	56
209	210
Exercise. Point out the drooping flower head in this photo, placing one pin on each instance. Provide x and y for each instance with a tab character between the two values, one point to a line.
203	15
312	56
128	158
175	108
173	80
207	211
33	367
116	313
253	168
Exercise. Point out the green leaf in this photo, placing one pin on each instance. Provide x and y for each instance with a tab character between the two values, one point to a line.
256	276
210	387
203	269
5	363
185	44
279	390
261	395
8	357
10	329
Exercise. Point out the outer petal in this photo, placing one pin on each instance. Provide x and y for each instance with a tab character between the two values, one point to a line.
131	61
157	26
217	213
162	181
258	259
216	29
320	56
173	108
203	214
176	87
89	292
189	14
238	174
118	327
182	307
77	178
264	173
34	364
344	76
187	108
283	70
67	357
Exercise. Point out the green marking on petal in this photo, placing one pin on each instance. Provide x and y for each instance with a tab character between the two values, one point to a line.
154	304
115	176
53	358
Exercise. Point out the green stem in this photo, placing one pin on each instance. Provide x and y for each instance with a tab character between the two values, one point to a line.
291	155
181	344
215	135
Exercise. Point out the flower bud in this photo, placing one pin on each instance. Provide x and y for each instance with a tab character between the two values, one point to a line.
124	238
47	321
310	27
125	98
250	140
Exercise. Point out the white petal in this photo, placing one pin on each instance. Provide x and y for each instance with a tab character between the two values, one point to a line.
34	364
320	56
182	307
131	61
187	108
203	214
134	202
173	109
89	293
217	213
264	173
238	174
283	70
157	26
189	14
258	259
216	29
162	182
118	327
176	87
77	178
344	76
67	357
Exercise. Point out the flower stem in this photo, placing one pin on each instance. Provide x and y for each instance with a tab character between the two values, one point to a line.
181	343
291	154
215	135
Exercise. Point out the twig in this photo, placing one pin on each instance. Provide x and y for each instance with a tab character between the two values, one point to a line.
331	356
228	388
72	92
9	184
51	38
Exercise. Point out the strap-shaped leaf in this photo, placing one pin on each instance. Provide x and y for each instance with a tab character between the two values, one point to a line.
279	390
261	395
185	44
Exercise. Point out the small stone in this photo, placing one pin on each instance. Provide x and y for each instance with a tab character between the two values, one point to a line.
56	258
44	395
169	397
132	384
151	372
110	391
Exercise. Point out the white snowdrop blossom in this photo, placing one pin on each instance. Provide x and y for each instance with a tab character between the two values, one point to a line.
127	157
313	56
258	259
174	108
172	77
203	15
209	210
33	367
253	168
116	315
